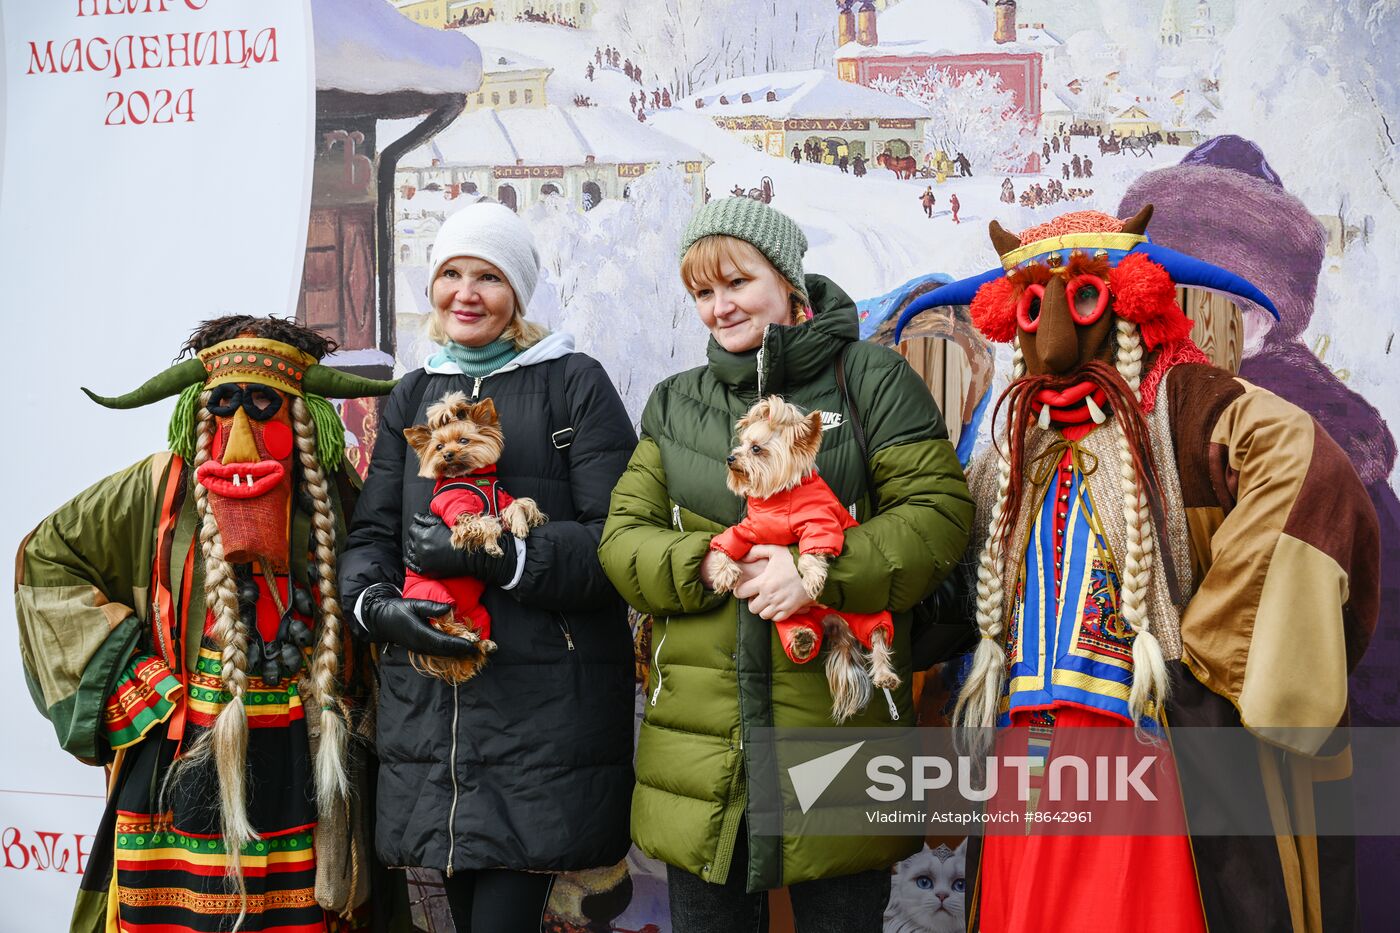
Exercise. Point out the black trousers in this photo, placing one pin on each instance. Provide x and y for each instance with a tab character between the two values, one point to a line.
845	904
497	900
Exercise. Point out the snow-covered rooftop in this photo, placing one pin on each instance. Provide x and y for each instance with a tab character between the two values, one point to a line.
495	60
1038	37
545	136
941	27
799	95
367	47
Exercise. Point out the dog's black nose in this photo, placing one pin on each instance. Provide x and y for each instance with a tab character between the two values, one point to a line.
730	459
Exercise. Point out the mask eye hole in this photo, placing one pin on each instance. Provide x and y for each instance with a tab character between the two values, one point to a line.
1088	297
1028	308
225	400
261	403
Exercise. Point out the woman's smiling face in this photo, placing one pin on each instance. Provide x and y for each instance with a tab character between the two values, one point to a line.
474	299
742	301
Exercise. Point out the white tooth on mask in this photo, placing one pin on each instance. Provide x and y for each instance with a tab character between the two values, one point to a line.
1045	417
235	479
249	479
1095	411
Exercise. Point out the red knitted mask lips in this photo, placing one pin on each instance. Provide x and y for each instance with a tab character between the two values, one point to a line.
249	472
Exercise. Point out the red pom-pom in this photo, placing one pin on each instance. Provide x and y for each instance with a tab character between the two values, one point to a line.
1144	294
993	310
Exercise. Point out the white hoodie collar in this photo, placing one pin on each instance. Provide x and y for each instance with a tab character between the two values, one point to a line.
560	343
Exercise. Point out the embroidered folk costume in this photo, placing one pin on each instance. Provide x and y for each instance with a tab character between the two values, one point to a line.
179	623
1159	544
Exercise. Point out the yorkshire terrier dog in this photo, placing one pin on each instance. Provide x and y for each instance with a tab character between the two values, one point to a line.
459	447
775	468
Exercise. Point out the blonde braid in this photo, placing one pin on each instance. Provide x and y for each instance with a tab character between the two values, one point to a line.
226	742
1149	667
332	783
976	707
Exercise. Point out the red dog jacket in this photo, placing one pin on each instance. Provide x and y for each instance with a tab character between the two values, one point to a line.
810	516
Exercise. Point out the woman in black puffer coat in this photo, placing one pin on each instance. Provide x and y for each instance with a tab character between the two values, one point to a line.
526	769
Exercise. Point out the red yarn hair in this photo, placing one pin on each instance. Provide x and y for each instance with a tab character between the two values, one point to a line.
993	309
1144	294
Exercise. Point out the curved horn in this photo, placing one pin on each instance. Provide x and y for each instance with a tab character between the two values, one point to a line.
171	382
1138	222
954	293
1003	240
1188	270
329	382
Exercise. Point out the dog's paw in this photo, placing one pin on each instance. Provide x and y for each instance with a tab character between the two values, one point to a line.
884	678
804	642
488	646
726	573
522	515
516	518
812	569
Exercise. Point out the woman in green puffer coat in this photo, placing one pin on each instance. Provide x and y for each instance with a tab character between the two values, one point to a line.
719	671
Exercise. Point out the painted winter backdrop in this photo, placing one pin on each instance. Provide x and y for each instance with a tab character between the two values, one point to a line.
1310	86
606	125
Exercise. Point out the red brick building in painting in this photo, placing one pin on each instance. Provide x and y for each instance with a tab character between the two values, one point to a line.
958	37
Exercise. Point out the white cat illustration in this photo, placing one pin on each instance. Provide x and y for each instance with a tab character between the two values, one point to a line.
926	892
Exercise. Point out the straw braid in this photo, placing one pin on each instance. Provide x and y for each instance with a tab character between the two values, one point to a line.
332	783
976	707
1149	668
227	741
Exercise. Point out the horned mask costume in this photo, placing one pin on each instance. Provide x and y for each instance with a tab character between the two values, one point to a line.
248	509
1156	539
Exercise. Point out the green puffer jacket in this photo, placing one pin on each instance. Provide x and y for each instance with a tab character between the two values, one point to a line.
719	671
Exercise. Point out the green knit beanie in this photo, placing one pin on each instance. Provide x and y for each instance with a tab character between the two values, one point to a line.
772	233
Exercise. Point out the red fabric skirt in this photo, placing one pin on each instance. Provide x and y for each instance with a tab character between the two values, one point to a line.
1031	883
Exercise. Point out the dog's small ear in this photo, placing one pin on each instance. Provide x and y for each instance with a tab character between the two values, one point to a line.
807	437
484	412
418	437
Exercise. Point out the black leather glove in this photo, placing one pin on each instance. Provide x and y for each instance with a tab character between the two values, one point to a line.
428	551
390	618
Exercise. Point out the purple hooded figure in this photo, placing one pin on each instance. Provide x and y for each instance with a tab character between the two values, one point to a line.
1226	205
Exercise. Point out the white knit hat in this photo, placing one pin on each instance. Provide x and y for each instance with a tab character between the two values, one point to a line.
495	233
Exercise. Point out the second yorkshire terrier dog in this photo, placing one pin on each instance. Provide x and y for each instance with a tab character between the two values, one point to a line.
775	468
459	447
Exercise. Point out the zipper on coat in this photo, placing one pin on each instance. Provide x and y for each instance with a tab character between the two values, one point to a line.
676	516
762	358
656	659
564	627
894	710
476	387
452	767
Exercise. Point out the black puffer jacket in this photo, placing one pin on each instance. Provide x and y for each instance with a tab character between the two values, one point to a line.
530	762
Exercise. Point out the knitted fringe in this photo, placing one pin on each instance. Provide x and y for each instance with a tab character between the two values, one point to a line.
180	434
330	432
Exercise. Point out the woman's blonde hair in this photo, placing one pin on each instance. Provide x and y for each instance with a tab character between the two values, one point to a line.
704	263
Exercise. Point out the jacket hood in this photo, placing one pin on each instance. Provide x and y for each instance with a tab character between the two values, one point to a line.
557	344
791	355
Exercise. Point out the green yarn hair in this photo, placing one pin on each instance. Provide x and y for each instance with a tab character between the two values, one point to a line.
330	432
180	434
